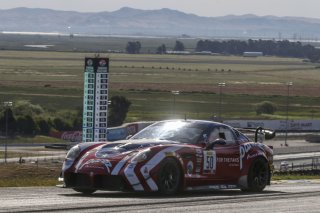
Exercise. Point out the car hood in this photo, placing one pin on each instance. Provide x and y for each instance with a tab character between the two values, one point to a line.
118	149
106	156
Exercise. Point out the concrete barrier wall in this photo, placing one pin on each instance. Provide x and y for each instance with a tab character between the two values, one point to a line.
122	132
119	133
280	125
115	133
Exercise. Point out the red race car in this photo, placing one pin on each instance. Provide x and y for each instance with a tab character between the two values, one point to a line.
171	156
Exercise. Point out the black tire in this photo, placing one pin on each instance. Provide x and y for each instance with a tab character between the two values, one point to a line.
169	177
258	176
84	191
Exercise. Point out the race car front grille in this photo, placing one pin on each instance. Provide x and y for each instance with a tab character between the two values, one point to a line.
112	182
108	182
77	180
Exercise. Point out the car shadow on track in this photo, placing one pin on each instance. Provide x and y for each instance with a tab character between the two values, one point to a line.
155	195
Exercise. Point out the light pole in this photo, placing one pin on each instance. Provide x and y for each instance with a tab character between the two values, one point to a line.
220	99
289	84
312	113
174	93
7	105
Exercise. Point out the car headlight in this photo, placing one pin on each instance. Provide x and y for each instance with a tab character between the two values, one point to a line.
73	153
141	156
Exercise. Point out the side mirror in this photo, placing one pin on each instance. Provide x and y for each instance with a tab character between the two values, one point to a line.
211	144
263	134
269	134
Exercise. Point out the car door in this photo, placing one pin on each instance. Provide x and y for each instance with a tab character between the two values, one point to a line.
222	162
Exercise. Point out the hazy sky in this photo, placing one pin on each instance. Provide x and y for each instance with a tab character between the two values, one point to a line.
303	8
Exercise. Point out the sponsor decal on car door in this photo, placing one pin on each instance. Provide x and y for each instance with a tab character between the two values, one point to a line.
228	161
209	162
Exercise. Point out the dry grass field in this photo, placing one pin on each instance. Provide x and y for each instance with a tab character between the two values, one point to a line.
55	80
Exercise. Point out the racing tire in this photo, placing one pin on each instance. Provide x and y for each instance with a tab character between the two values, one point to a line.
258	176
169	177
84	191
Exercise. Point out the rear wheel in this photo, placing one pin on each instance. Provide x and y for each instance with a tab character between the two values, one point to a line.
169	177
258	176
85	191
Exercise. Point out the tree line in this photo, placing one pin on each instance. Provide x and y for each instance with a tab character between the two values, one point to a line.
282	48
134	47
25	118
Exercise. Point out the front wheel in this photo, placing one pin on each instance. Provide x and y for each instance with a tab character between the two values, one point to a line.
258	176
84	191
169	177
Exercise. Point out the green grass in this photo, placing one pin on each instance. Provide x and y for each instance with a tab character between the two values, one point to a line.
17	154
88	44
38	139
294	177
55	81
148	105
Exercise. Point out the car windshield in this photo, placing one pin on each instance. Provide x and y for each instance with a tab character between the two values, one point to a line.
179	131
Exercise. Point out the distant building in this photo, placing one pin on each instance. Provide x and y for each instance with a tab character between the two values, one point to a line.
177	52
203	53
252	54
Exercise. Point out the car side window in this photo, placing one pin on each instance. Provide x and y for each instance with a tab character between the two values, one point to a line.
214	135
221	133
241	137
226	134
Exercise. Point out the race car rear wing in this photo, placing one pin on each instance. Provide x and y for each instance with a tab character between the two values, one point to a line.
260	134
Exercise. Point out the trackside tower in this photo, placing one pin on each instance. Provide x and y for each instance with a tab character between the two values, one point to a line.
95	99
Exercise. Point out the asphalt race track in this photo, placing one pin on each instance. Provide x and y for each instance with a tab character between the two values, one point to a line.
290	196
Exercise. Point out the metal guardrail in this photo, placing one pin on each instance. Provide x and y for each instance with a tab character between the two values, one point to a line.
307	164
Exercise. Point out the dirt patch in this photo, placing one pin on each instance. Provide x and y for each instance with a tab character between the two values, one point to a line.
29	174
13	170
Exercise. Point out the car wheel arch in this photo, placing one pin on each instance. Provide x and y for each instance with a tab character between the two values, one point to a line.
243	179
246	182
181	170
248	162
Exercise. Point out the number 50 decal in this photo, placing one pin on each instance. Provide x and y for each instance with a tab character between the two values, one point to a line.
209	161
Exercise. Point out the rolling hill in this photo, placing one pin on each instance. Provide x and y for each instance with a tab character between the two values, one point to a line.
163	22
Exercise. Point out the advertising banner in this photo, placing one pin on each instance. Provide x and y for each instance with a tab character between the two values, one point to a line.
292	125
